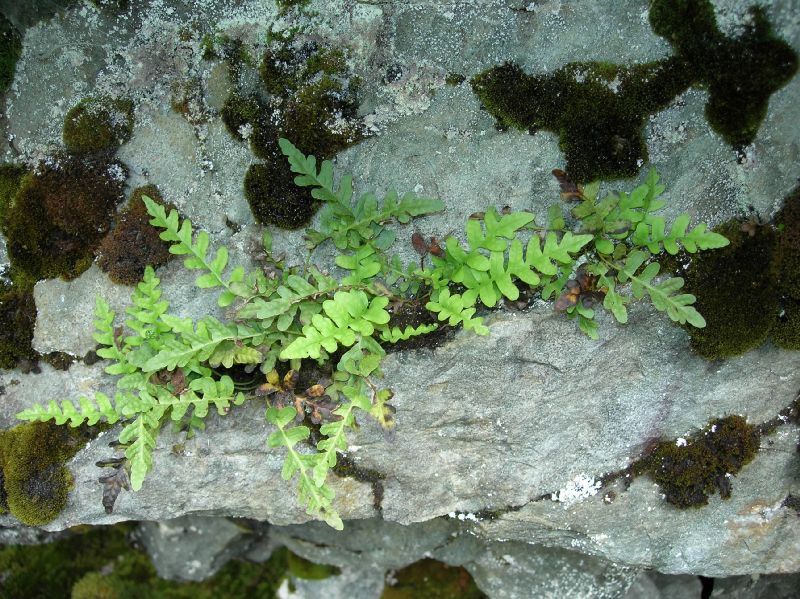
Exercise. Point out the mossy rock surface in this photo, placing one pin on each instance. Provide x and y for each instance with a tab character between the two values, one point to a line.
98	125
10	178
35	480
736	290
599	109
134	243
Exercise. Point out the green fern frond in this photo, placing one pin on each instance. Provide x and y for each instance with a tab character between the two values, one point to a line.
395	335
318	498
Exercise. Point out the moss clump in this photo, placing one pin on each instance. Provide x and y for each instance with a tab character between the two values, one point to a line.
274	198
433	580
17	319
786	333
98	125
10	178
100	563
247	118
689	473
599	109
740	73
736	291
35	480
60	213
134	242
10	51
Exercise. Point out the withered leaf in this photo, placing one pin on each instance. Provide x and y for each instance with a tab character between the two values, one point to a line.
569	191
419	244
113	485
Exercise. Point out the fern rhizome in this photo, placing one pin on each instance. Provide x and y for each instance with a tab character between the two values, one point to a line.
171	368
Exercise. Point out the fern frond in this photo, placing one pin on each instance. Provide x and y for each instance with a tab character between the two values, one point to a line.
395	335
348	313
357	224
456	310
140	438
181	236
318	498
88	411
678	307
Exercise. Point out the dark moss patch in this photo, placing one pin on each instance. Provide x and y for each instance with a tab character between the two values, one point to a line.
59	360
274	198
598	109
60	213
134	243
454	79
736	291
10	51
740	73
17	319
433	580
10	178
249	114
688	474
101	564
788	223
308	98
35	480
316	101
98	125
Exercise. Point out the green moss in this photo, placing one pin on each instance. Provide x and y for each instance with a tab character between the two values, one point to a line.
599	110
10	51
35	480
60	213
454	79
433	580
98	125
786	333
302	568
134	242
101	564
740	73
736	291
10	178
241	113
274	198
17	319
688	474
315	104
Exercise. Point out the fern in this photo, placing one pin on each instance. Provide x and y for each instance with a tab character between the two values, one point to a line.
166	364
394	334
352	224
316	496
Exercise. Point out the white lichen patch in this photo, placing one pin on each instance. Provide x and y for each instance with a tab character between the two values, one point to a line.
579	488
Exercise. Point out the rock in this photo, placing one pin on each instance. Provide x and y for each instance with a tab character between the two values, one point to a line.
192	548
65	311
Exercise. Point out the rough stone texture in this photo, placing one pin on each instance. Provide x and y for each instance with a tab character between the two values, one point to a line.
491	422
65	311
192	548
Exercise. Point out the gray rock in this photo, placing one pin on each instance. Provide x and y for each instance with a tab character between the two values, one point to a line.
65	311
192	547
